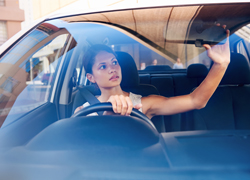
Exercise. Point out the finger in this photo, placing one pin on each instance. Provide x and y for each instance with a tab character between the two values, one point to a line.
207	46
224	26
138	106
113	102
124	105
228	32
217	24
130	106
118	104
77	109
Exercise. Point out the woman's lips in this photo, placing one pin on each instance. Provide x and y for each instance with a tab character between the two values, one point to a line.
114	78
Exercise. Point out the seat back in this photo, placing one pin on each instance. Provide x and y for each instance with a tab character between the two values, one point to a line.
185	83
158	68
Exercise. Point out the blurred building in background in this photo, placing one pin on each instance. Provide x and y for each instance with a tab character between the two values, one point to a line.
11	17
27	6
42	8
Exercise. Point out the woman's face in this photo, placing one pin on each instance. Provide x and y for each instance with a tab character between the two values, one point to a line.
106	71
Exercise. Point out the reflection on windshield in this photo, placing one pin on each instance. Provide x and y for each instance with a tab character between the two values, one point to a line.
28	70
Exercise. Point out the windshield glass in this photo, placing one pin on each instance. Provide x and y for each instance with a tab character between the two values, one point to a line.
141	93
163	43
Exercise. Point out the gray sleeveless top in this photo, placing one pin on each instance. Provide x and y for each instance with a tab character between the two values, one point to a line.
135	98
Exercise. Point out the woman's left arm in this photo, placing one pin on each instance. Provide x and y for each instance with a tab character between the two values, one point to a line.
158	105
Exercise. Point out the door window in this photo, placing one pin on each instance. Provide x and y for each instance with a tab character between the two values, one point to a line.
28	71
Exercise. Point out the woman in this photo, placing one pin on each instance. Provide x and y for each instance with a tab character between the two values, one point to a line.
102	68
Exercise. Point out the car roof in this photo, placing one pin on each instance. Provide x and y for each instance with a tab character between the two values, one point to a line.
84	11
157	27
138	5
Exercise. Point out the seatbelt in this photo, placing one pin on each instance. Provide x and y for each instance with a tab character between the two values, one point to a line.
90	98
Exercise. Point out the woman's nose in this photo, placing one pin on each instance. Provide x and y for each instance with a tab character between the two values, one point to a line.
111	69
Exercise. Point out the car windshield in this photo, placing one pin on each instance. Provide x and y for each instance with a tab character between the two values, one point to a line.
185	69
163	42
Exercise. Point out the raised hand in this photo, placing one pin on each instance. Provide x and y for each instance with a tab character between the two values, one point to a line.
220	54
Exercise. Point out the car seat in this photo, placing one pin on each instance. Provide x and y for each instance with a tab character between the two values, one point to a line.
228	108
186	83
158	68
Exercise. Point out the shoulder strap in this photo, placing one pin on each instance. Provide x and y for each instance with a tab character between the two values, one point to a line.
90	98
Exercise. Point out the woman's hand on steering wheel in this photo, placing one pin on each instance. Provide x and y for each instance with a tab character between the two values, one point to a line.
122	104
108	107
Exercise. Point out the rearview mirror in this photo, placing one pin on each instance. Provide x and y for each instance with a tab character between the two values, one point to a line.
207	33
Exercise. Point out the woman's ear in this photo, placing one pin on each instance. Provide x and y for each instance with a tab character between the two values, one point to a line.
90	77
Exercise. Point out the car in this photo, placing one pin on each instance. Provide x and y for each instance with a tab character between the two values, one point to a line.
42	138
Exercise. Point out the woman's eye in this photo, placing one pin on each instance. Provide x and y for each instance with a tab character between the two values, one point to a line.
103	67
115	62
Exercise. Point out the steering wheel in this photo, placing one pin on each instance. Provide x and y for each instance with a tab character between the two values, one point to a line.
108	107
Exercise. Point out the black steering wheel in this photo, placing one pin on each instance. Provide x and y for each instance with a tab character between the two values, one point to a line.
108	107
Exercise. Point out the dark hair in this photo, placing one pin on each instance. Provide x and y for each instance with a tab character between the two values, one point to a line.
89	57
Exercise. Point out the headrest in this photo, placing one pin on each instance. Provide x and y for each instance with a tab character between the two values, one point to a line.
157	68
130	76
238	71
197	71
